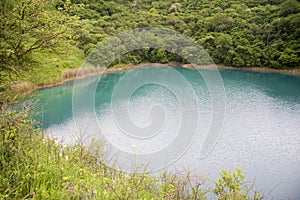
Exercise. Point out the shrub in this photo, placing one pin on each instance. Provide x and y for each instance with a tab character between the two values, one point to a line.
231	186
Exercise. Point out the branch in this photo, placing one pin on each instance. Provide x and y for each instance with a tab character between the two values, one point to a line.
43	43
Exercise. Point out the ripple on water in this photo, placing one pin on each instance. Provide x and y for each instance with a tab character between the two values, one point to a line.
261	132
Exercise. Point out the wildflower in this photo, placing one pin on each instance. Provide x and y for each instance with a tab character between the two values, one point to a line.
60	154
32	193
134	146
88	196
81	171
73	187
93	192
65	178
67	158
67	187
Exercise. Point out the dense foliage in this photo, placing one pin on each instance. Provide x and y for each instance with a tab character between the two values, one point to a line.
33	36
45	38
235	33
31	26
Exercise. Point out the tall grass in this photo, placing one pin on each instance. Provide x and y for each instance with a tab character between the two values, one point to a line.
33	166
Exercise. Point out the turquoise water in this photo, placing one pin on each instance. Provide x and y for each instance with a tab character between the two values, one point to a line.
261	129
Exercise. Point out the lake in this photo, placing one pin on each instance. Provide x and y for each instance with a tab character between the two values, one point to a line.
162	116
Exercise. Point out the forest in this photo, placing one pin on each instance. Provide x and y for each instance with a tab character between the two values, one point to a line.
48	37
234	33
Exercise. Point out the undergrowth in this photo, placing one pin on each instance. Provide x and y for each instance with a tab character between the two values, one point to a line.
33	166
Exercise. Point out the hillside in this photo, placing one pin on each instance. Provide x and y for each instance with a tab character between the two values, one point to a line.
39	40
249	33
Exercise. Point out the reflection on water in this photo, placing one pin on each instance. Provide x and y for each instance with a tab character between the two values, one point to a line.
261	133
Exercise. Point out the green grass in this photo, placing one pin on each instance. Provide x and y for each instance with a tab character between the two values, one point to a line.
45	68
33	166
50	66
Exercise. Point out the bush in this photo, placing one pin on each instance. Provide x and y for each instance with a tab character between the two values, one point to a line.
231	186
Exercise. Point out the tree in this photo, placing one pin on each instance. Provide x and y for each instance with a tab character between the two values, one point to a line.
220	22
175	7
28	26
231	186
289	58
223	44
289	7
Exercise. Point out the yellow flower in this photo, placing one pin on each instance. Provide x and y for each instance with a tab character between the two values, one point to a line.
65	178
134	146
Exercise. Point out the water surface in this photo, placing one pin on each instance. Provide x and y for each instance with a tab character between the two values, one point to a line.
261	132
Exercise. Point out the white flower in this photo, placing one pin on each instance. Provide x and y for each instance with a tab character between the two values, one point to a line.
67	157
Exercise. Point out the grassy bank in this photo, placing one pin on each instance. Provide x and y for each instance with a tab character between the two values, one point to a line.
33	166
47	68
54	71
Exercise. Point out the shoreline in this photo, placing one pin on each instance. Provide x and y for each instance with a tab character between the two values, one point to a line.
170	64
